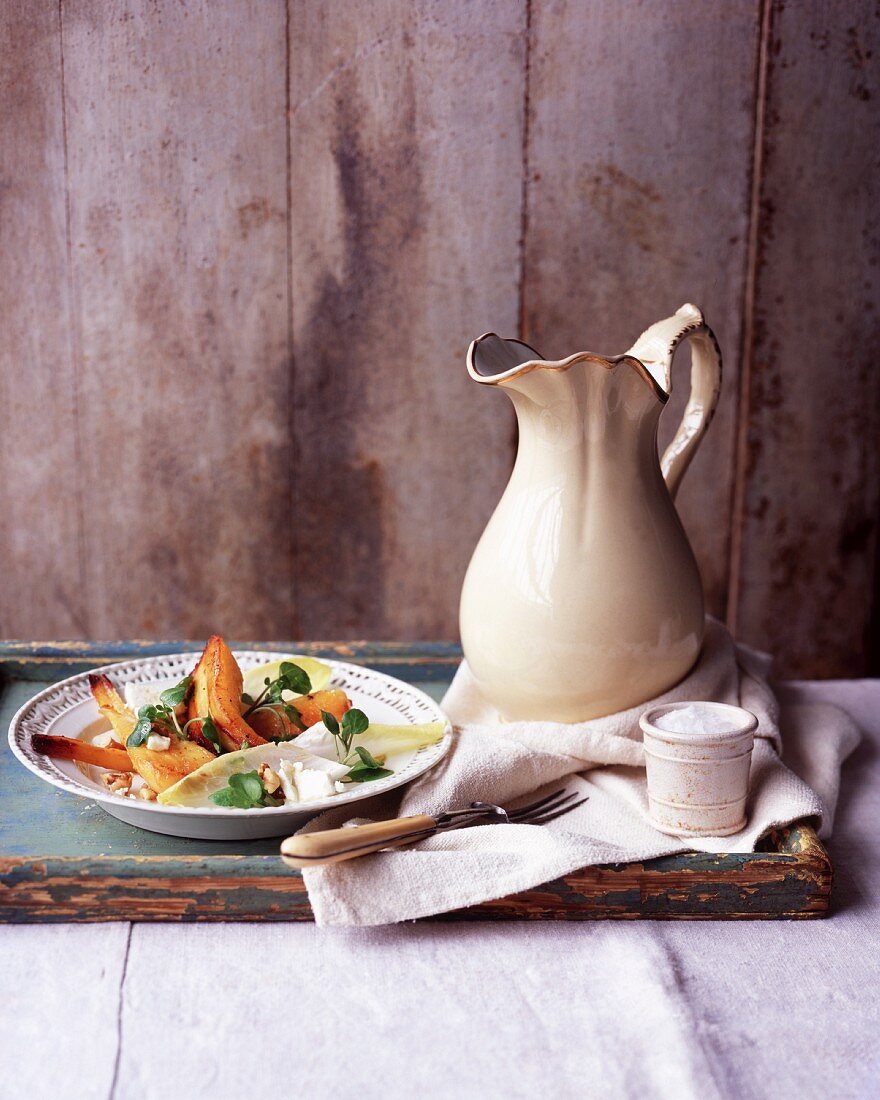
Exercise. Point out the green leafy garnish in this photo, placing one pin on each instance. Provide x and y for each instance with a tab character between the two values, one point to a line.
360	774
367	775
209	730
243	791
294	717
290	678
174	696
143	728
368	769
294	679
367	758
354	723
161	715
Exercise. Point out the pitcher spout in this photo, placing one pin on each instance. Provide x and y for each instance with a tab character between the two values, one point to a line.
494	361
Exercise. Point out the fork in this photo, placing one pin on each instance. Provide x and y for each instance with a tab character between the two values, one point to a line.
336	845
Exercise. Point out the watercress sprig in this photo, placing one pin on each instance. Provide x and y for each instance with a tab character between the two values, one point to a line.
368	769
164	713
243	791
291	678
354	723
147	716
209	731
172	697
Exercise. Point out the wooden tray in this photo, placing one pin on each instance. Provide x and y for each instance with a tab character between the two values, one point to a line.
63	859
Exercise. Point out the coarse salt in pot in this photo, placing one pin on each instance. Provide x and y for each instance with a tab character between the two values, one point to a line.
697	757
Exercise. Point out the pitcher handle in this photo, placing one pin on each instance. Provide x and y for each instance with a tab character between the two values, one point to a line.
655	348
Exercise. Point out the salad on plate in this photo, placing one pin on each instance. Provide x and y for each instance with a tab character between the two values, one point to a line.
276	735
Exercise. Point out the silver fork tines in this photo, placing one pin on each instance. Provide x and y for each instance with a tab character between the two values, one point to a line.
536	813
542	819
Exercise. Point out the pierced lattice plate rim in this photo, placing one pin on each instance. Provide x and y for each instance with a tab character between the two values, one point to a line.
367	688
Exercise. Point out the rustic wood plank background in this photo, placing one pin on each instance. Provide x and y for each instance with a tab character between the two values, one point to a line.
244	245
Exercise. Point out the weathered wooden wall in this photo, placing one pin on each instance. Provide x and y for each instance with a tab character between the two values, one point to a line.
808	467
244	245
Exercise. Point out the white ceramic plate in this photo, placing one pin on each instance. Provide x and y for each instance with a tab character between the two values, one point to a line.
67	709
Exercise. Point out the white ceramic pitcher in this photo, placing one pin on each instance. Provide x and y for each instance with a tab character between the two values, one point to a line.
583	596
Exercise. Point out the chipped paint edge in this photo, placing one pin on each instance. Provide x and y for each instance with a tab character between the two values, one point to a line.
426	661
793	884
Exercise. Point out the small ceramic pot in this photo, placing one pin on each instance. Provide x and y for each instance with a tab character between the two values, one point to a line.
698	781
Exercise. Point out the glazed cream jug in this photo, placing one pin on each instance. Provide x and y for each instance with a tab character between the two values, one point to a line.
583	597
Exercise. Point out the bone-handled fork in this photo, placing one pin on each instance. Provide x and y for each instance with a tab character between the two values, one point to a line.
336	845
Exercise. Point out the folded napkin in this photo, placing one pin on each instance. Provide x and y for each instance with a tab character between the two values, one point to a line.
512	763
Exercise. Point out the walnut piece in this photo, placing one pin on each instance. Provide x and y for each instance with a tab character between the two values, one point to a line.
147	794
271	780
119	782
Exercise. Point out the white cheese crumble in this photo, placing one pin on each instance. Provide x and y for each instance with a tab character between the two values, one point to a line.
157	743
301	784
312	784
105	740
285	772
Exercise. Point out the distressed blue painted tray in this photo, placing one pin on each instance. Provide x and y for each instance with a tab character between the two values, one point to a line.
63	859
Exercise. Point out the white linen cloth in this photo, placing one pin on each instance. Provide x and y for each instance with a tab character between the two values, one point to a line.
614	1010
516	762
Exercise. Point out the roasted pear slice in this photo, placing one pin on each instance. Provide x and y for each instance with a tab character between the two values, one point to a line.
162	770
70	748
159	769
217	686
273	724
333	700
197	706
112	706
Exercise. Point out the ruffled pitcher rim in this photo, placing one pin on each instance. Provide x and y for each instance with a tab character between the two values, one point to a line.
609	362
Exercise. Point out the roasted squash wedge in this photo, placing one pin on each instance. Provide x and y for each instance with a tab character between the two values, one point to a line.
69	748
162	770
159	770
112	706
217	689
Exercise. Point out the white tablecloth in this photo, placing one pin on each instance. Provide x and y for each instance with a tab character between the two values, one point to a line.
646	1009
